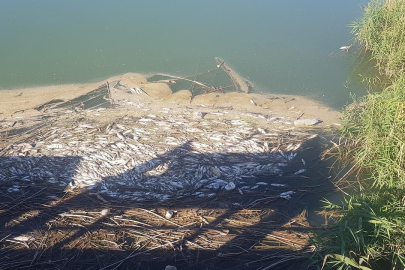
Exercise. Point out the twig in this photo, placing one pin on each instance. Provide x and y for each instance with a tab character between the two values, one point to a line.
195	78
75	215
193	81
216	72
139	253
156	215
130	220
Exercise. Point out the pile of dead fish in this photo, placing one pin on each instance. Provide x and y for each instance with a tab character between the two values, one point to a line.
151	157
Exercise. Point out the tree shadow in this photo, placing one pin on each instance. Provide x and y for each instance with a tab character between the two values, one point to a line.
35	204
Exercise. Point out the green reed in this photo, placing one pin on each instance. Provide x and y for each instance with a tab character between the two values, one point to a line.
369	232
381	30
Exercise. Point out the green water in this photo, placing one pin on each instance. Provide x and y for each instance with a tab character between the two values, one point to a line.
287	46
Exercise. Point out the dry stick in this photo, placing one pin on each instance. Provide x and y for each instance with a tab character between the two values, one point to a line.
195	77
341	190
131	220
97	96
109	92
75	215
264	258
98	105
222	88
139	253
23	200
116	84
108	88
216	72
4	238
171	222
171	231
284	240
298	118
155	237
235	85
292	219
18	242
347	173
197	245
181	78
193	81
25	132
208	71
262	199
278	262
40	245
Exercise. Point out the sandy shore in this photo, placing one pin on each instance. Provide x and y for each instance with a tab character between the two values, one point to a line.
18	103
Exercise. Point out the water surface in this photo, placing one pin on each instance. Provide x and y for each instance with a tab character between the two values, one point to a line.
289	47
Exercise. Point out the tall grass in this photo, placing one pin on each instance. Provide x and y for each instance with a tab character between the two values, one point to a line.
381	30
375	126
369	234
370	228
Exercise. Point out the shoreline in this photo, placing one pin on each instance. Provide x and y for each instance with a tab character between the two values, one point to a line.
219	166
23	101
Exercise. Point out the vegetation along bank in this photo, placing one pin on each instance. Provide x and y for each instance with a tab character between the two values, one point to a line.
370	231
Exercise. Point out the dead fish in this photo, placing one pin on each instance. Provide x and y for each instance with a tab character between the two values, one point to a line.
230	186
300	171
278	185
345	48
169	214
109	127
120	136
262	183
286	195
55	146
86	126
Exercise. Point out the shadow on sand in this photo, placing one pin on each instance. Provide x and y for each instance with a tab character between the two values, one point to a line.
44	227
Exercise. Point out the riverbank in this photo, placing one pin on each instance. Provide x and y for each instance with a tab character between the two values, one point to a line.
369	233
25	102
160	174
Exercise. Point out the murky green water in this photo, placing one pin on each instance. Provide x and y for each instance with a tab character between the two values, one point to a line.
287	46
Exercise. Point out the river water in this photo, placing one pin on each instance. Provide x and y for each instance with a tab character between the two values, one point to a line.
289	47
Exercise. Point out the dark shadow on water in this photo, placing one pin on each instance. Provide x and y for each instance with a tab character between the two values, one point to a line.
31	207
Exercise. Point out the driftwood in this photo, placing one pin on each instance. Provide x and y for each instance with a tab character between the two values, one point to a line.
237	80
185	79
